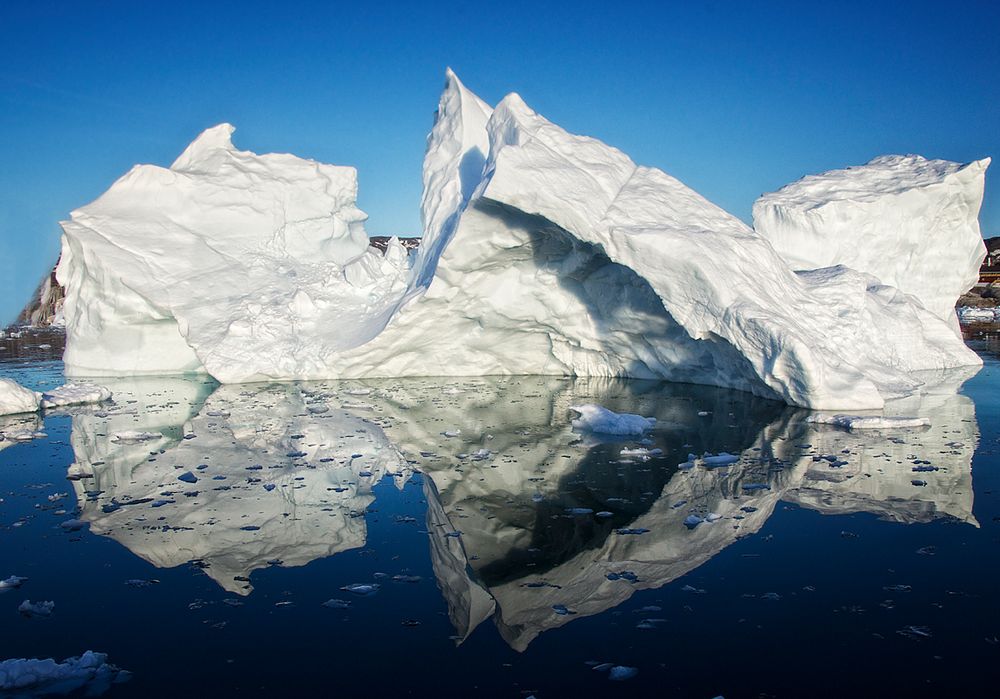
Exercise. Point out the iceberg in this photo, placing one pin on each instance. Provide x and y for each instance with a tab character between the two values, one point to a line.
911	222
15	398
543	253
90	673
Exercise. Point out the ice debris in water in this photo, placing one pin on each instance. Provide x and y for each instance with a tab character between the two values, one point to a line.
619	673
869	422
33	609
594	418
337	603
89	673
12	583
361	589
75	394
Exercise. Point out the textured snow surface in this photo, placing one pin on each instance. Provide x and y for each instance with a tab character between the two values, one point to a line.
15	398
543	253
89	672
75	394
911	222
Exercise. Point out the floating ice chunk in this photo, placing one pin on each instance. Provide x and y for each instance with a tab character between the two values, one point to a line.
15	398
337	604
89	673
692	521
361	589
75	394
620	673
12	583
39	609
868	422
594	418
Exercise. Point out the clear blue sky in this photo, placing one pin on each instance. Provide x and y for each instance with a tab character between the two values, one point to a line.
733	98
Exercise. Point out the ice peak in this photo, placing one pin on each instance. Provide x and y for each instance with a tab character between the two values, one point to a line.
218	137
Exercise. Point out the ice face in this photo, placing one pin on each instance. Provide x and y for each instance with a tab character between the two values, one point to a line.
911	222
544	253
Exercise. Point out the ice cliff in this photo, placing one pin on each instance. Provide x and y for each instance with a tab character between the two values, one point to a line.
543	253
911	222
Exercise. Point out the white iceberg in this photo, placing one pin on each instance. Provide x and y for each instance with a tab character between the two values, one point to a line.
911	222
15	398
543	253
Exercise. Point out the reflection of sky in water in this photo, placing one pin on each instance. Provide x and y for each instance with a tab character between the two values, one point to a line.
530	526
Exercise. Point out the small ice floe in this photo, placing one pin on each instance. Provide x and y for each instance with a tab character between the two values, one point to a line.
452	433
868	422
641	453
579	511
693	590
620	673
594	418
358	391
402	578
135	436
481	454
89	674
771	596
337	604
703	413
915	632
713	517
692	521
36	609
12	583
604	514
140	583
75	394
73	525
318	409
361	589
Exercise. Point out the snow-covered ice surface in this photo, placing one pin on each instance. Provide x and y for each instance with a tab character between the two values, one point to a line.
911	222
542	253
15	398
90	673
75	394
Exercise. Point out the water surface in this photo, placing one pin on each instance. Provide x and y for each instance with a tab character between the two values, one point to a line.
511	554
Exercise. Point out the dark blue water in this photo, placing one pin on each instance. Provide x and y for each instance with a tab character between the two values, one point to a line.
828	572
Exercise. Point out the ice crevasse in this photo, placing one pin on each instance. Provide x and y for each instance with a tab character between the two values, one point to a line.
543	252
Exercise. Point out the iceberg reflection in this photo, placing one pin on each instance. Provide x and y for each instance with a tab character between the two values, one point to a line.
530	523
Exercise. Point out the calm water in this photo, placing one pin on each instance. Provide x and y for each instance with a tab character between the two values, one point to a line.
511	554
